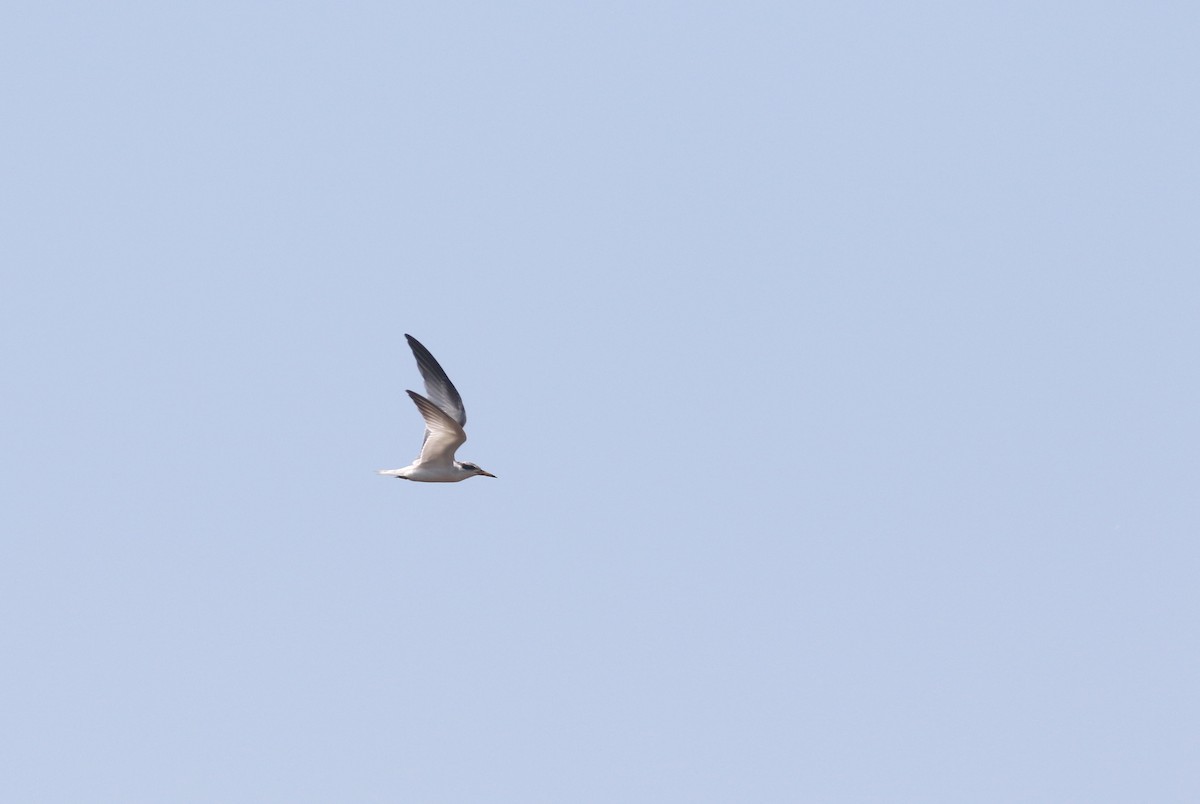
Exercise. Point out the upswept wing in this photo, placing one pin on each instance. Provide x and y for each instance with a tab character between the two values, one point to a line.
443	435
441	391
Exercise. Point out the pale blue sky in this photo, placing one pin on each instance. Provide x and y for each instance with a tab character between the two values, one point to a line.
837	362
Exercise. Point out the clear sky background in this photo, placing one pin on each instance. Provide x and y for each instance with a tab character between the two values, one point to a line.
838	362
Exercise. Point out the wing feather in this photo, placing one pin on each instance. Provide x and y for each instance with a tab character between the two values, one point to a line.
437	385
443	435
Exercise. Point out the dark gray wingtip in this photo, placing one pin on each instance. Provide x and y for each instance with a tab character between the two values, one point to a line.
437	383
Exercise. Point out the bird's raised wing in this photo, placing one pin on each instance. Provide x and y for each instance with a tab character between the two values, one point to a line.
443	435
441	391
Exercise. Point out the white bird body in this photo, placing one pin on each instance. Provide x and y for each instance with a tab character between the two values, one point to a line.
432	473
444	416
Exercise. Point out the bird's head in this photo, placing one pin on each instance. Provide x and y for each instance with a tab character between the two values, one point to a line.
473	469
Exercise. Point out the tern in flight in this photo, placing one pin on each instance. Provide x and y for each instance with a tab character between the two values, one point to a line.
444	416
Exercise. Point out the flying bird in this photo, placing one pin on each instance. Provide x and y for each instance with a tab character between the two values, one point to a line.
445	417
